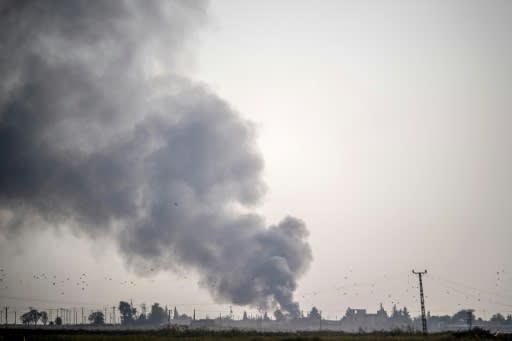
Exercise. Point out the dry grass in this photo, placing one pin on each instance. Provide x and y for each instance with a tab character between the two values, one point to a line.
205	335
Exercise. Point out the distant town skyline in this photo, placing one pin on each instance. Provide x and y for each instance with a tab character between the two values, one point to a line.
129	315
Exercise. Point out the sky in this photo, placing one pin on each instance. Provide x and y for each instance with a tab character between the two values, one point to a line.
382	125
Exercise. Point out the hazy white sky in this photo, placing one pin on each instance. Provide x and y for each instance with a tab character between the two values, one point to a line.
384	125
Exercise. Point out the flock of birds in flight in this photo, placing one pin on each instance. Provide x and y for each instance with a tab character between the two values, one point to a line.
465	295
81	283
451	287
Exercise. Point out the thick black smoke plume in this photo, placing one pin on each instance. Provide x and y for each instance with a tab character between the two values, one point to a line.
99	131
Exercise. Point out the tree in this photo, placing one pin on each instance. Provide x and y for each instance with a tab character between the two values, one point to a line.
127	312
497	318
314	314
394	312
58	321
32	316
143	311
265	317
157	314
406	313
175	314
278	314
44	317
97	318
462	316
245	316
381	313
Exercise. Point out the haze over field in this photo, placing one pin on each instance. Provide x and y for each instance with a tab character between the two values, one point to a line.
256	154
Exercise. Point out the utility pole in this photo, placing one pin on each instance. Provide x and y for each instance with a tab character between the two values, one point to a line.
422	300
114	314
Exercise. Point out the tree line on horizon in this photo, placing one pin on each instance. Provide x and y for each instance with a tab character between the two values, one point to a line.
158	315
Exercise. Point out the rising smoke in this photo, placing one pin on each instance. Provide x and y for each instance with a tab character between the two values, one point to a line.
99	131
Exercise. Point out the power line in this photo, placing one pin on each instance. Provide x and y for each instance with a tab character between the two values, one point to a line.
494	293
470	294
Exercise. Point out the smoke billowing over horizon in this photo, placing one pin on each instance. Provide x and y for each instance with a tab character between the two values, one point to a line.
100	131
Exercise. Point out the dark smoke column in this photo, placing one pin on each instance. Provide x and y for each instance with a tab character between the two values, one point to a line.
100	131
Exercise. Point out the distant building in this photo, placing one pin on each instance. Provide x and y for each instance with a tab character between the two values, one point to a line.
358	319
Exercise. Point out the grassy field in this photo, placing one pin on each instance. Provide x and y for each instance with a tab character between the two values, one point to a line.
199	335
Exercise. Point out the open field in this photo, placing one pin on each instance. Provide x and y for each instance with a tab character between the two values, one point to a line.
196	335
